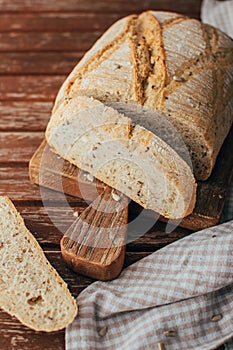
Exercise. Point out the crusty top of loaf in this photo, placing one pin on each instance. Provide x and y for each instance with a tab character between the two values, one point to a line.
168	62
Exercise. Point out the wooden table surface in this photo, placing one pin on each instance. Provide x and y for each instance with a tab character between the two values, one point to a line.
40	42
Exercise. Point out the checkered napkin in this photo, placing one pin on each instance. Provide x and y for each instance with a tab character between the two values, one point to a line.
180	297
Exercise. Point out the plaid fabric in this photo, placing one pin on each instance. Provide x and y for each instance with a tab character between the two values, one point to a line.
180	297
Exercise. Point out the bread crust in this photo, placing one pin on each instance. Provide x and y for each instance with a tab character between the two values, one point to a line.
30	286
169	63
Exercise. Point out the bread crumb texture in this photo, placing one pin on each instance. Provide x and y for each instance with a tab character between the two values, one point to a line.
105	143
31	289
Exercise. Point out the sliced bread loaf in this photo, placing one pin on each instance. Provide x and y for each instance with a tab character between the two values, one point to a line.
169	63
128	157
30	288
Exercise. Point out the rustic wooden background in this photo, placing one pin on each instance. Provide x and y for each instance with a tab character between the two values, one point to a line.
40	42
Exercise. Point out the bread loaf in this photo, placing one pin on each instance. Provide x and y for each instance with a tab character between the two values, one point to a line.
30	288
100	140
169	63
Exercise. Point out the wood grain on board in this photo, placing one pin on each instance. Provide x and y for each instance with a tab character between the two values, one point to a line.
48	41
38	63
56	21
24	143
16	116
29	87
94	245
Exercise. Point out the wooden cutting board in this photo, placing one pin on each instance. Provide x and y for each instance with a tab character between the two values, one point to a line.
47	169
80	247
94	245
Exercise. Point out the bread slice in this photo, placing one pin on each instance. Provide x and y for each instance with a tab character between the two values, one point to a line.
105	143
169	63
30	288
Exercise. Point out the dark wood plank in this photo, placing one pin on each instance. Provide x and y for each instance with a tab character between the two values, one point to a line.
217	185
48	41
15	182
18	147
77	282
57	22
27	88
24	115
38	62
190	7
156	238
133	257
48	224
13	335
